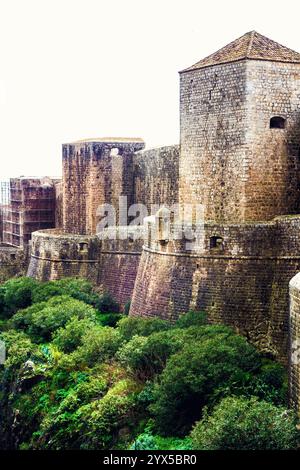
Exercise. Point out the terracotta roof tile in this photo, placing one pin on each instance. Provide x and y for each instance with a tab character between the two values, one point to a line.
250	46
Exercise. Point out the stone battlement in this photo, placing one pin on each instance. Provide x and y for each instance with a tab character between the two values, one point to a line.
238	160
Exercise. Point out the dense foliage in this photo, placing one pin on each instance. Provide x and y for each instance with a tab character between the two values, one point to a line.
79	375
246	424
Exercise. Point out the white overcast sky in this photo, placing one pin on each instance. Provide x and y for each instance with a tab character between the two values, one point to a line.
71	69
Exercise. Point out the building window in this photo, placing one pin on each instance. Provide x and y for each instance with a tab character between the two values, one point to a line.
216	242
130	239
83	246
114	152
277	122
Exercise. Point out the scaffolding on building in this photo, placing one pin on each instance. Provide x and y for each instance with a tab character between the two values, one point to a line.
4	206
4	193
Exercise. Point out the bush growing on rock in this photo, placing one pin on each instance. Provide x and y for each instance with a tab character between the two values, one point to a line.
246	424
19	348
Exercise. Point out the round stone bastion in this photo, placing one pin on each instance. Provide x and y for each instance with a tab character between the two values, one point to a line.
55	254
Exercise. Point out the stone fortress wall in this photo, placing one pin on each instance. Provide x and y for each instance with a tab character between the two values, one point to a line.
94	173
242	282
109	264
244	172
294	342
55	254
156	177
13	262
239	158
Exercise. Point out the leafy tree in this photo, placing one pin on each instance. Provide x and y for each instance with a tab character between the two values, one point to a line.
109	319
19	349
131	326
199	375
106	304
191	318
238	423
102	420
99	344
146	356
42	320
79	289
16	294
69	337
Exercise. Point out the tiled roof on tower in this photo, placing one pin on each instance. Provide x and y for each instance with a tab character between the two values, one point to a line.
250	46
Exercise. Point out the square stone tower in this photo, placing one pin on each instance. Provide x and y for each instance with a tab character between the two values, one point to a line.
240	131
95	172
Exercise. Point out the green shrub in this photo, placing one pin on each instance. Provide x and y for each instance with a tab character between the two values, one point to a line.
109	319
146	356
79	289
92	389
103	419
131	326
173	443
16	294
68	338
61	425
270	383
46	290
99	344
131	354
246	424
145	441
127	308
106	304
191	318
199	375
148	441
23	318
43	319
146	396
19	349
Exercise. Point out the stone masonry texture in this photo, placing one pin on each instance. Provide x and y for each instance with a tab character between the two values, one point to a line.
230	159
239	158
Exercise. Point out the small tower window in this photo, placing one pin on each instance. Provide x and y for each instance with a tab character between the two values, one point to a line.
277	122
83	246
114	152
216	242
